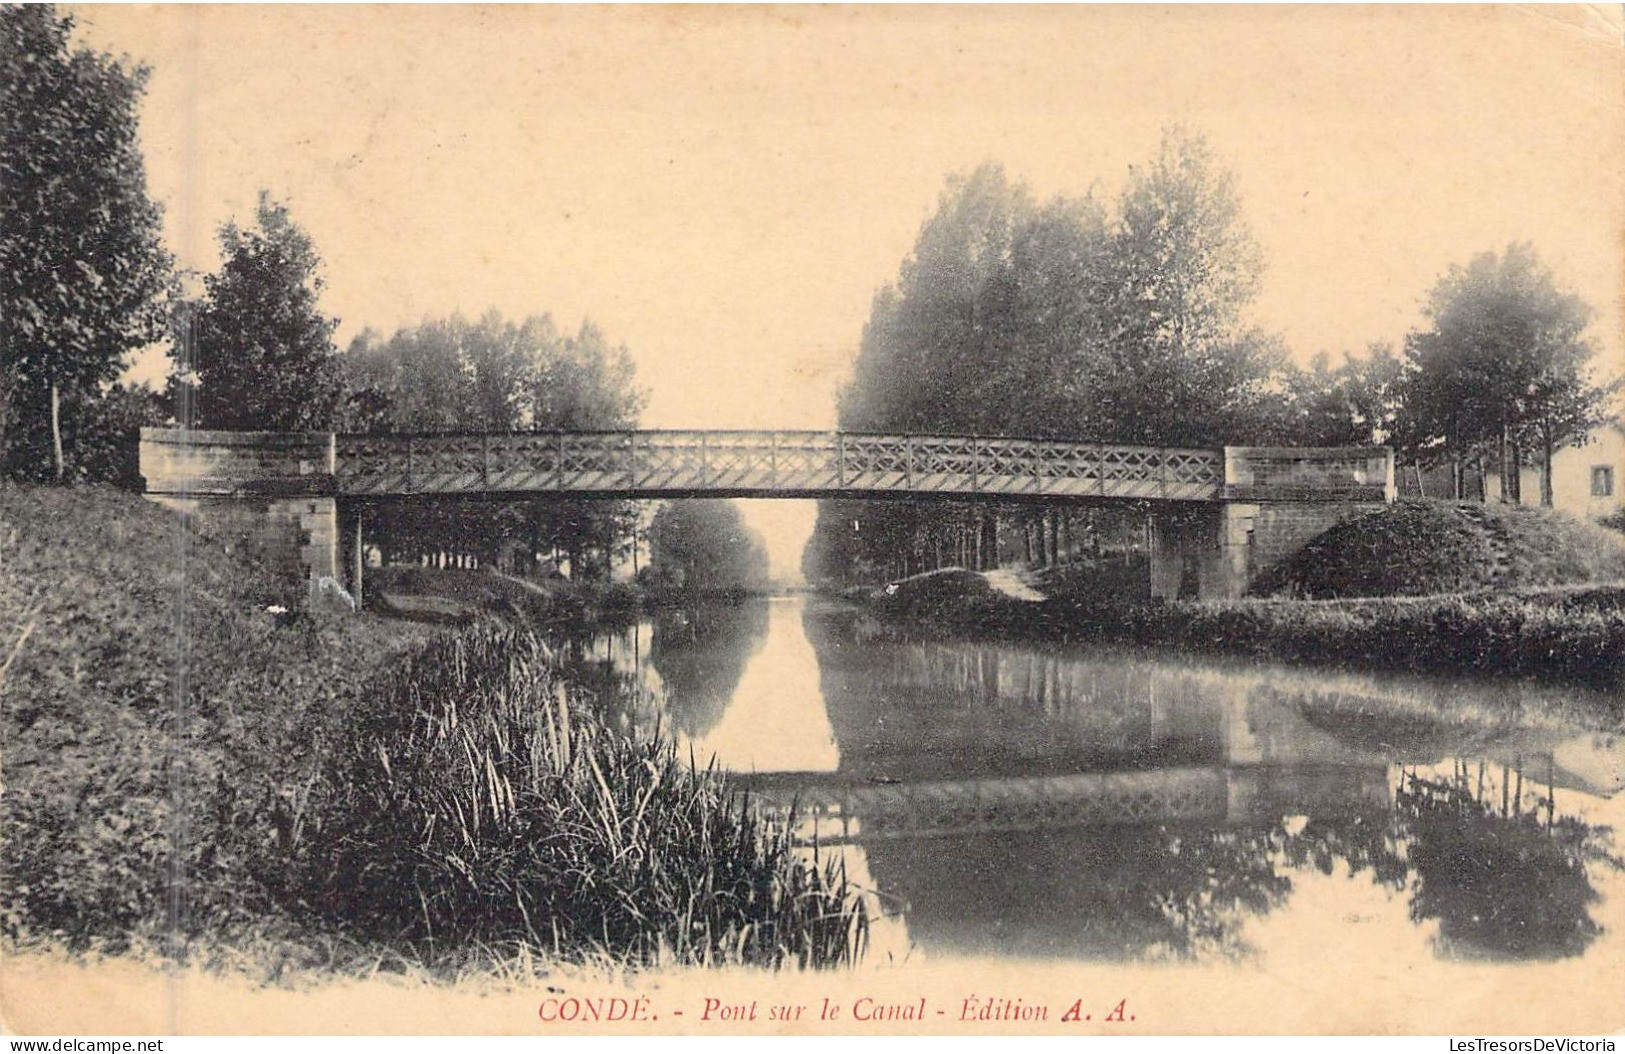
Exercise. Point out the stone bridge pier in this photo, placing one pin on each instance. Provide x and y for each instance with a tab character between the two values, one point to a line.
281	486
1274	500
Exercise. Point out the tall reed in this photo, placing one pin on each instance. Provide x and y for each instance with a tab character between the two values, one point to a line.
472	802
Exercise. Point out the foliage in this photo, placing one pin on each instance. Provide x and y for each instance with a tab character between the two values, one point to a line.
473	801
106	433
83	274
1355	403
154	800
1071	320
108	727
1075	319
263	352
700	655
1505	884
494	375
1502	367
1187	370
1574	635
703	545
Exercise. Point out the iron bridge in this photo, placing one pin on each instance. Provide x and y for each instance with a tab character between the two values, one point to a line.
769	464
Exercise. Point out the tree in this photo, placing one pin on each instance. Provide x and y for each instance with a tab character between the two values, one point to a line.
933	338
1352	404
452	375
1503	367
84	277
1069	320
264	354
106	433
1182	367
704	546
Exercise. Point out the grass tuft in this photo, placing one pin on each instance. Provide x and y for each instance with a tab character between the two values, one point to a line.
471	801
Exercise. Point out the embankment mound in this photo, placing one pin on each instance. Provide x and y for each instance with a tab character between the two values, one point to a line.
159	705
1416	548
196	769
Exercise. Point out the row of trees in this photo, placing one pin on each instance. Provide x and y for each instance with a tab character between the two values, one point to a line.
496	375
1076	318
1121	320
1126	321
85	281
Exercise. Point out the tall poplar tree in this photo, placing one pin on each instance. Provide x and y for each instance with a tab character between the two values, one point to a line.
84	277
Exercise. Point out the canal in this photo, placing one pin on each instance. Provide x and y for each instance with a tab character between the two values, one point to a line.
1091	804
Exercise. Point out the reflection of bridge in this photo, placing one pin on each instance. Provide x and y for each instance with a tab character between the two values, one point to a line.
1218	516
835	810
1184	746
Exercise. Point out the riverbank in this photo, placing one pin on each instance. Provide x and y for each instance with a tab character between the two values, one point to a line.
463	597
195	774
1573	636
1420	586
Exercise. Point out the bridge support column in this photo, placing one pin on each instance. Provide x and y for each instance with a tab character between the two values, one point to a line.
1199	551
350	522
276	488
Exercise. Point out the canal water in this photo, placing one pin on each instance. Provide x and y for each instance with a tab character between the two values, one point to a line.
1093	804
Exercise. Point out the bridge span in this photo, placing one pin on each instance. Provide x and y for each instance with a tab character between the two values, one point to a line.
682	464
1217	516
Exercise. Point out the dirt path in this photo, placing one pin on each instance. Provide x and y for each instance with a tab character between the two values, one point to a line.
1011	585
524	582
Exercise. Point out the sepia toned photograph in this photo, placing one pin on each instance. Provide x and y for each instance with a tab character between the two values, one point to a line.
686	520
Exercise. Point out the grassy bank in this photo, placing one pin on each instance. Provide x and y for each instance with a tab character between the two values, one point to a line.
1572	636
1422	548
462	597
1425	587
188	773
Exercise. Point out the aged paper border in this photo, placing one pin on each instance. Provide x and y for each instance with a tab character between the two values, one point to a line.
1353	990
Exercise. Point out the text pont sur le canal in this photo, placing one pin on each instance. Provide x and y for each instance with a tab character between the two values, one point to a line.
973	1008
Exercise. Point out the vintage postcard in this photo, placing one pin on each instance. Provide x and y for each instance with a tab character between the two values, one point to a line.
801	520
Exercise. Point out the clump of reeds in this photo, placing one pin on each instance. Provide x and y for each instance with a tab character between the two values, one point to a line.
472	804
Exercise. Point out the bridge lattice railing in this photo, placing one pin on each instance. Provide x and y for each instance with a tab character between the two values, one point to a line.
737	463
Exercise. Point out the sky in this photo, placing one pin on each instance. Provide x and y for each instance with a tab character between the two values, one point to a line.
723	189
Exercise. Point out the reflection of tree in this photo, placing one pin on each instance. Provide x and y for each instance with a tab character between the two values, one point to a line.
1119	892
1210	881
1502	881
700	655
1364	842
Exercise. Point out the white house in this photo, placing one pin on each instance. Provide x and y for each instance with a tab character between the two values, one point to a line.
1586	480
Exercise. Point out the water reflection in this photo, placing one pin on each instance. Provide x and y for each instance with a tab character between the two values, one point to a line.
699	655
1099	804
1504	881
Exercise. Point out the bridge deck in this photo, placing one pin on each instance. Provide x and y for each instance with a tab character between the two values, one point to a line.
789	464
